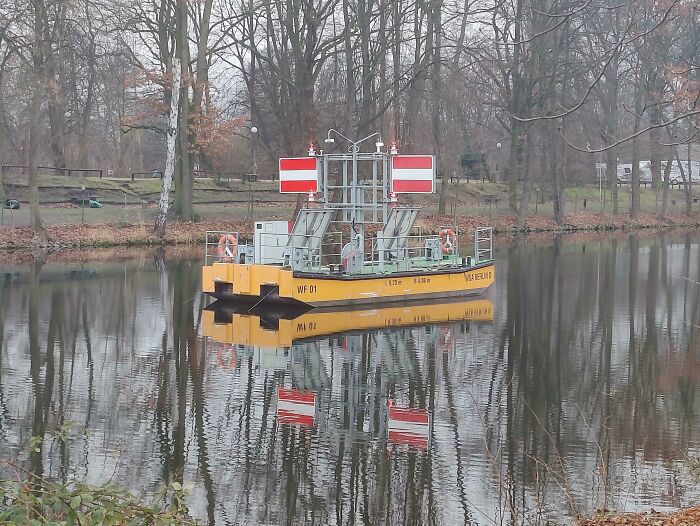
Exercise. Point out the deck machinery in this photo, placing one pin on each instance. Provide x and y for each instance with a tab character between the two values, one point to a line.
352	242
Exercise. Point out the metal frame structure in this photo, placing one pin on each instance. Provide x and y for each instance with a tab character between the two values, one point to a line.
483	244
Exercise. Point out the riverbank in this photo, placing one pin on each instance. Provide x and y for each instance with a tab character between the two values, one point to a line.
140	233
684	517
40	502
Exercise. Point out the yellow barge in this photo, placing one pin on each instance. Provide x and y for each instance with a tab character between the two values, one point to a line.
326	258
234	281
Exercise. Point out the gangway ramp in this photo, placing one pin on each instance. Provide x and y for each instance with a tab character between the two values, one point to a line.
396	230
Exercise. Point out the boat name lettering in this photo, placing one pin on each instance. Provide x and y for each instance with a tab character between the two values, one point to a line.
301	327
391	282
475	276
303	289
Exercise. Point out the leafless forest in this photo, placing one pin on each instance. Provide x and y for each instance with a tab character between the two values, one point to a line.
524	91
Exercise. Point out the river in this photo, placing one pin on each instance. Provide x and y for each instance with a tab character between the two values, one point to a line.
573	385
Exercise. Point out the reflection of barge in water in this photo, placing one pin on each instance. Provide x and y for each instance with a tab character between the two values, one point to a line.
314	265
224	323
290	337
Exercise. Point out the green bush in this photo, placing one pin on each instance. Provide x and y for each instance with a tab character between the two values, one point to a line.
32	502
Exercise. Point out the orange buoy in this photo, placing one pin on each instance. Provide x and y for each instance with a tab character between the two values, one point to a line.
228	247
447	239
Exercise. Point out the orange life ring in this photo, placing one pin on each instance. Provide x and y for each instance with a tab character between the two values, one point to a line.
228	247
447	239
222	361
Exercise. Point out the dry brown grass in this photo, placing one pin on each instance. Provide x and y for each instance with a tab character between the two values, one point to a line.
686	517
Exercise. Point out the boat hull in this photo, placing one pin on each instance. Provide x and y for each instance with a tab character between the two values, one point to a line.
268	283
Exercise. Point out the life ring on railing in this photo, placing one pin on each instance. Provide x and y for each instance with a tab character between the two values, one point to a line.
447	240
227	247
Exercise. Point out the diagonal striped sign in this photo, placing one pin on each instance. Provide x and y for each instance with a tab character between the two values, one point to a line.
298	175
296	407
413	174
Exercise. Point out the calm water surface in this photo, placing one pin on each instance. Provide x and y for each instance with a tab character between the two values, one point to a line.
574	386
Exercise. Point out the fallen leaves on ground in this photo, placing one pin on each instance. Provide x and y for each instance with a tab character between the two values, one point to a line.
140	233
542	223
686	517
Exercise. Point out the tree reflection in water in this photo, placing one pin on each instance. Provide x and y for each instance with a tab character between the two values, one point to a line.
581	393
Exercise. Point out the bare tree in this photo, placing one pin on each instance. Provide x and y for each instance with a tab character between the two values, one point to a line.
174	125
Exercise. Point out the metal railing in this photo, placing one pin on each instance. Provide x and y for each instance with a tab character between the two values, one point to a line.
219	247
483	244
321	259
410	250
408	253
222	246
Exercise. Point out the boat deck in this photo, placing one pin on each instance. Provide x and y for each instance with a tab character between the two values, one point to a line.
389	267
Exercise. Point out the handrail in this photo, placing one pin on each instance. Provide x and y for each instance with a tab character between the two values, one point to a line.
410	253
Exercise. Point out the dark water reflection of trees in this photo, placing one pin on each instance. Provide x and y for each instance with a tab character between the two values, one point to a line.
580	394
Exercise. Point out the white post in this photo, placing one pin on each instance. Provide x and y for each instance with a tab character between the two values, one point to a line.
172	131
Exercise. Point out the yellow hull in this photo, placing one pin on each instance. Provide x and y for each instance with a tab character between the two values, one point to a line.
236	281
245	329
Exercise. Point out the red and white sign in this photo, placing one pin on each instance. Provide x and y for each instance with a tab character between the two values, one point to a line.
298	175
413	174
296	407
409	426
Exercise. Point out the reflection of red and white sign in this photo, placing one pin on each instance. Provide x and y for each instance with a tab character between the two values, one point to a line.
296	407
298	175
409	426
413	174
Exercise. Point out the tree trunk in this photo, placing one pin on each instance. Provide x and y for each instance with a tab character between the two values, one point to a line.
349	70
37	84
558	167
527	187
397	18
417	88
172	133
671	154
437	103
367	101
517	128
611	171
34	108
655	148
635	202
382	82
2	146
184	178
666	183
87	111
687	182
56	122
54	85
513	166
